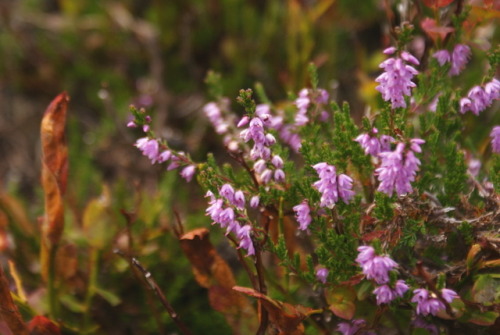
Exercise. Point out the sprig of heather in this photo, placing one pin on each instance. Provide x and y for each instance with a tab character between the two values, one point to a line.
303	214
458	58
157	150
226	210
266	165
479	98
396	81
399	168
332	186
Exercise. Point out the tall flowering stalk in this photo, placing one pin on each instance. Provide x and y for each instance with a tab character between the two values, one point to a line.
396	81
399	168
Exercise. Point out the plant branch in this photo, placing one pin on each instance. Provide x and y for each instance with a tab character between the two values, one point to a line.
148	279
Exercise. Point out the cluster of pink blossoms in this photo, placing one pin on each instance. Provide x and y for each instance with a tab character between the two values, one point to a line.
304	101
266	167
332	186
398	168
150	147
396	81
377	268
429	303
372	144
458	58
223	211
303	215
495	139
479	98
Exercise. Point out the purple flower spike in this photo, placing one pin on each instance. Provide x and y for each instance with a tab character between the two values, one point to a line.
302	213
459	58
322	275
495	139
396	82
332	186
399	168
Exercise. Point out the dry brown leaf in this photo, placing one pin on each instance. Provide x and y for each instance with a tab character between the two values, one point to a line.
213	273
54	167
287	318
40	325
8	309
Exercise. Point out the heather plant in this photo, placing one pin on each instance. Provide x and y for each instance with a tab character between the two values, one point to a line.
315	220
360	223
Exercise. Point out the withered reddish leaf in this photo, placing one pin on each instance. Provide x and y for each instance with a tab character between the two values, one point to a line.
54	167
40	325
53	138
286	317
373	235
213	273
341	300
8	309
434	31
437	3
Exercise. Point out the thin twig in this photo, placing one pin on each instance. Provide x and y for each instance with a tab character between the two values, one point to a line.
264	319
157	290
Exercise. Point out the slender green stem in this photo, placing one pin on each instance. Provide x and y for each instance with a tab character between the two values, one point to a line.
94	261
52	287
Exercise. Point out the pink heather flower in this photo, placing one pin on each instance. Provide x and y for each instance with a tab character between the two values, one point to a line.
245	239
131	124
459	58
302	213
214	114
495	139
322	275
375	267
474	166
442	56
239	200
243	122
149	148
389	51
399	168
396	82
427	302
448	295
386	294
279	175
227	192
164	156
254	201
332	186
188	172
372	144
277	162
